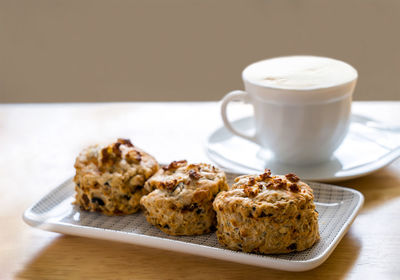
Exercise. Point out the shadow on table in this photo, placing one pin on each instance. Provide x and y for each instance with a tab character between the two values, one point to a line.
378	188
70	257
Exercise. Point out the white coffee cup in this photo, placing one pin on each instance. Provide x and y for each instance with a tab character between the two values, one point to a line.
302	106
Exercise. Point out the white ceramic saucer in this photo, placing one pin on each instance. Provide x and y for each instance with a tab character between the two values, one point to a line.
368	147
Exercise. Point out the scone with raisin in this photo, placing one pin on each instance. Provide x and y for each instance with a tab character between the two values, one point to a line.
111	179
267	214
180	202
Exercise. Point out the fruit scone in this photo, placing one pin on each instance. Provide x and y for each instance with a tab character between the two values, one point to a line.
180	202
267	214
111	179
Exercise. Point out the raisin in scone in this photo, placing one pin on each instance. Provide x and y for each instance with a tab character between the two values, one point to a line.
180	202
111	179
267	214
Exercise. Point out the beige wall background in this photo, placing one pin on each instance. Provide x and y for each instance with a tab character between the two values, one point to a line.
168	50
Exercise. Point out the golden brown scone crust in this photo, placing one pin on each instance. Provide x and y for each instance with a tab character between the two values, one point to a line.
180	202
267	214
111	179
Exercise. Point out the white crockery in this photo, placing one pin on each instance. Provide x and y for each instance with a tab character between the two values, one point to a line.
301	111
368	146
337	207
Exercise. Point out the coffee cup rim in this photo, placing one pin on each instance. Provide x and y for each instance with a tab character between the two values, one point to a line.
283	89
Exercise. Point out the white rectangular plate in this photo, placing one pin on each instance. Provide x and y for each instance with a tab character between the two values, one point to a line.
337	207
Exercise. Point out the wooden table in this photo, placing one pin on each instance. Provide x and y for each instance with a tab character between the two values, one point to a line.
38	145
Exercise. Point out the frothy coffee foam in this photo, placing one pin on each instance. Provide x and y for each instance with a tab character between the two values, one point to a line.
300	72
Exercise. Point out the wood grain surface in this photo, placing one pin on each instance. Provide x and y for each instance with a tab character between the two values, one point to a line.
38	145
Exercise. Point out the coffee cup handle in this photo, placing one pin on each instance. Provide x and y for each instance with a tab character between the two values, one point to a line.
236	95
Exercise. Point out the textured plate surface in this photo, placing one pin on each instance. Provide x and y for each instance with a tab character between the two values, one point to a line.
368	146
337	207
